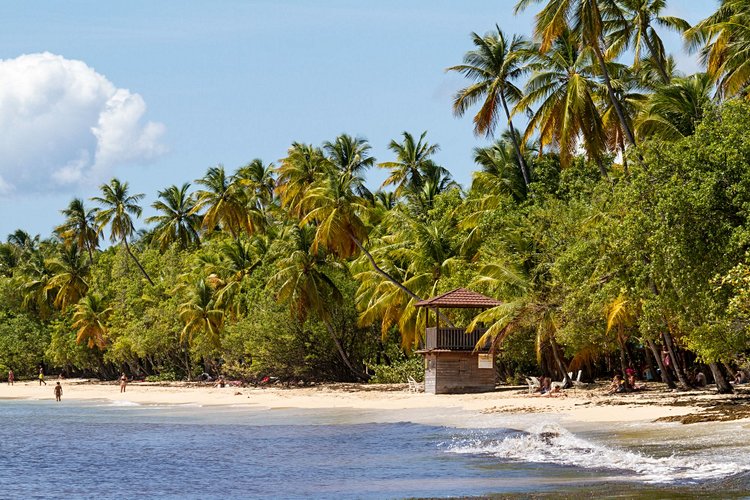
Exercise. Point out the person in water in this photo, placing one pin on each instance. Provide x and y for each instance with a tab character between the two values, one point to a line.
58	392
41	376
123	382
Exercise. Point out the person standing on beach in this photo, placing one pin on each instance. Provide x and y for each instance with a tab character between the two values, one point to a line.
123	382
41	376
58	392
11	377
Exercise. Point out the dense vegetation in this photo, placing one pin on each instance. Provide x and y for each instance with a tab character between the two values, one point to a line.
614	227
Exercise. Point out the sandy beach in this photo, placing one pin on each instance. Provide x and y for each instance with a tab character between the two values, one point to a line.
592	405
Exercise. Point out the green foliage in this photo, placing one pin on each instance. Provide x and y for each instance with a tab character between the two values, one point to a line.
399	371
22	344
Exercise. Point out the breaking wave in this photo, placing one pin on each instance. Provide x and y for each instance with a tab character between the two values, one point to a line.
552	444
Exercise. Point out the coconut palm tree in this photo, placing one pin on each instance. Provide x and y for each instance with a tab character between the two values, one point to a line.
68	282
177	220
413	159
117	207
588	20
79	227
499	172
227	205
562	89
493	65
352	155
303	165
674	110
90	319
635	30
226	273
302	282
724	42
200	314
259	179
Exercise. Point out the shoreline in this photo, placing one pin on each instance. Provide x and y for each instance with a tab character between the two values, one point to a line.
581	406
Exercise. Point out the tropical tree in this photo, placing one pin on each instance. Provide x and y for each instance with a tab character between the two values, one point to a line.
635	30
413	160
200	314
80	227
493	65
90	319
302	166
177	220
563	89
117	207
352	155
588	20
227	205
259	179
69	271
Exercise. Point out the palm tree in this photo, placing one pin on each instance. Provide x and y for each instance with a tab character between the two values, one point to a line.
90	318
563	91
227	205
636	29
116	210
303	165
499	171
352	155
724	42
588	19
177	221
80	227
227	272
23	241
674	110
259	178
68	281
413	158
493	65
301	281
200	314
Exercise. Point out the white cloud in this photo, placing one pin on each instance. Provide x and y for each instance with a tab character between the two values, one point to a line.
62	123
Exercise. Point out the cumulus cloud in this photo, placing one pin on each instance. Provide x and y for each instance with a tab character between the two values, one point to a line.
62	123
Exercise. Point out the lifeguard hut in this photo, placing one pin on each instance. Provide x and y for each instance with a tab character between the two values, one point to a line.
452	365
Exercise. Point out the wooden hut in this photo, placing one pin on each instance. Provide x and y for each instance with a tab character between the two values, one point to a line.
452	365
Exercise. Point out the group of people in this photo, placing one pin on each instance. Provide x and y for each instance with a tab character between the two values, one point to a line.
547	389
58	390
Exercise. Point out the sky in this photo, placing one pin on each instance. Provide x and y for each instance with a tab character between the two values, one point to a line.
155	93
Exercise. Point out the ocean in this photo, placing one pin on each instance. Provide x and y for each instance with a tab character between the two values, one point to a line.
124	450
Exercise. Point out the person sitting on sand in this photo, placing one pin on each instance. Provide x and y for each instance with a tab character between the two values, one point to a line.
123	382
740	377
58	392
700	379
617	385
545	385
220	382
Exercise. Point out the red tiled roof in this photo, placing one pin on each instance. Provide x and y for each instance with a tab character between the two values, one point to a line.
460	298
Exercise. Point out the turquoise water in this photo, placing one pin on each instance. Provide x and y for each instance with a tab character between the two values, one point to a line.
122	450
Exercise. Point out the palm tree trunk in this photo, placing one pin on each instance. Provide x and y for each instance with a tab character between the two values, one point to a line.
677	367
613	97
665	376
91	253
657	60
127	247
559	362
721	383
516	146
392	279
361	376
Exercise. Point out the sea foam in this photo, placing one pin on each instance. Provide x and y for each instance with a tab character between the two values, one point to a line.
550	443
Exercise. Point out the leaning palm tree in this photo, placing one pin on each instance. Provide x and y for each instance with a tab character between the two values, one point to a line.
588	20
90	319
79	227
302	282
413	158
493	65
117	207
177	220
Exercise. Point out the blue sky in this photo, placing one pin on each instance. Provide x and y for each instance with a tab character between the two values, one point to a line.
155	93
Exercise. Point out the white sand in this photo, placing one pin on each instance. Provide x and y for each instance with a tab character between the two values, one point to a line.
580	406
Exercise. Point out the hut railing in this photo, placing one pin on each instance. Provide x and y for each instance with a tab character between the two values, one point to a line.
454	339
